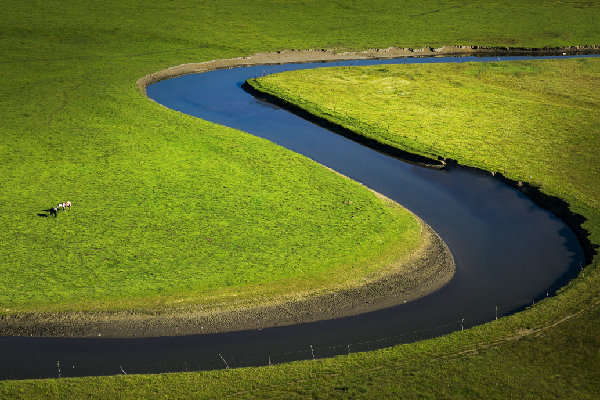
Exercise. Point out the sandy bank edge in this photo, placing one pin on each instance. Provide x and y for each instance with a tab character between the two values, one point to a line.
325	55
424	272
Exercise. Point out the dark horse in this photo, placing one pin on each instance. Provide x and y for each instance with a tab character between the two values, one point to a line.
53	211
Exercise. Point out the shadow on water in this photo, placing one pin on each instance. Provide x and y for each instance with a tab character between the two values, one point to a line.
340	130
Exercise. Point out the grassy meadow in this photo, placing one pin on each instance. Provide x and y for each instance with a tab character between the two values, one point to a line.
535	121
168	209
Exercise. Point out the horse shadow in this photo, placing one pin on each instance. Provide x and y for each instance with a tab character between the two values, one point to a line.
45	215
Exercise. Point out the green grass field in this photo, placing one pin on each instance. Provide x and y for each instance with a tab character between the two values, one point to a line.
167	210
535	121
147	183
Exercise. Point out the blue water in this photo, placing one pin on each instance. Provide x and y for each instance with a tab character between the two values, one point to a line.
509	252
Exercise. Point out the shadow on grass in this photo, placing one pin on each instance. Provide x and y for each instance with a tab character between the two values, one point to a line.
46	215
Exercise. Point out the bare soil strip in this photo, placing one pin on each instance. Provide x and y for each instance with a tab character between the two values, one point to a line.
327	55
425	271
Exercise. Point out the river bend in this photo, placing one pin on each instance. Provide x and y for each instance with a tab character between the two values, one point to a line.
508	251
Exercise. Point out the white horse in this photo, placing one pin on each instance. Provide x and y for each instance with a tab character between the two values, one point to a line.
64	205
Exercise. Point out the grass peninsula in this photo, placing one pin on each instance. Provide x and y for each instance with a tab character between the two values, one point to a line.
536	121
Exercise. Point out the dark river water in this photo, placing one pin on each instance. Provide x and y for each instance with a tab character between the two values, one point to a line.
509	252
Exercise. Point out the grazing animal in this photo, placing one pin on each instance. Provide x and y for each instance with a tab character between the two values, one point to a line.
53	211
64	205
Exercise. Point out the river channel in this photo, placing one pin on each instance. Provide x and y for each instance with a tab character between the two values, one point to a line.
509	252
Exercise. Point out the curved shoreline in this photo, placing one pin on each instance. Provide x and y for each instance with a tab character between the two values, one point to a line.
428	269
332	55
386	149
371	296
557	206
423	272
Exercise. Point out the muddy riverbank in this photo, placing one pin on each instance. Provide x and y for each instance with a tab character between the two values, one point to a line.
425	271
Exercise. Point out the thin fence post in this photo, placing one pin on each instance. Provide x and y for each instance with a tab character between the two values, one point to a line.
496	312
58	367
462	328
312	352
270	361
226	365
348	349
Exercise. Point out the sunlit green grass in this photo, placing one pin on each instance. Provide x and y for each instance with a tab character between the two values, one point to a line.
75	127
184	214
535	121
169	209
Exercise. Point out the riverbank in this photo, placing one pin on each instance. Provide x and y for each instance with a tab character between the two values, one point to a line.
429	268
332	55
492	116
235	315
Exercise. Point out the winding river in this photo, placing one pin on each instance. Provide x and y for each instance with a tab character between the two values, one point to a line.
509	252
